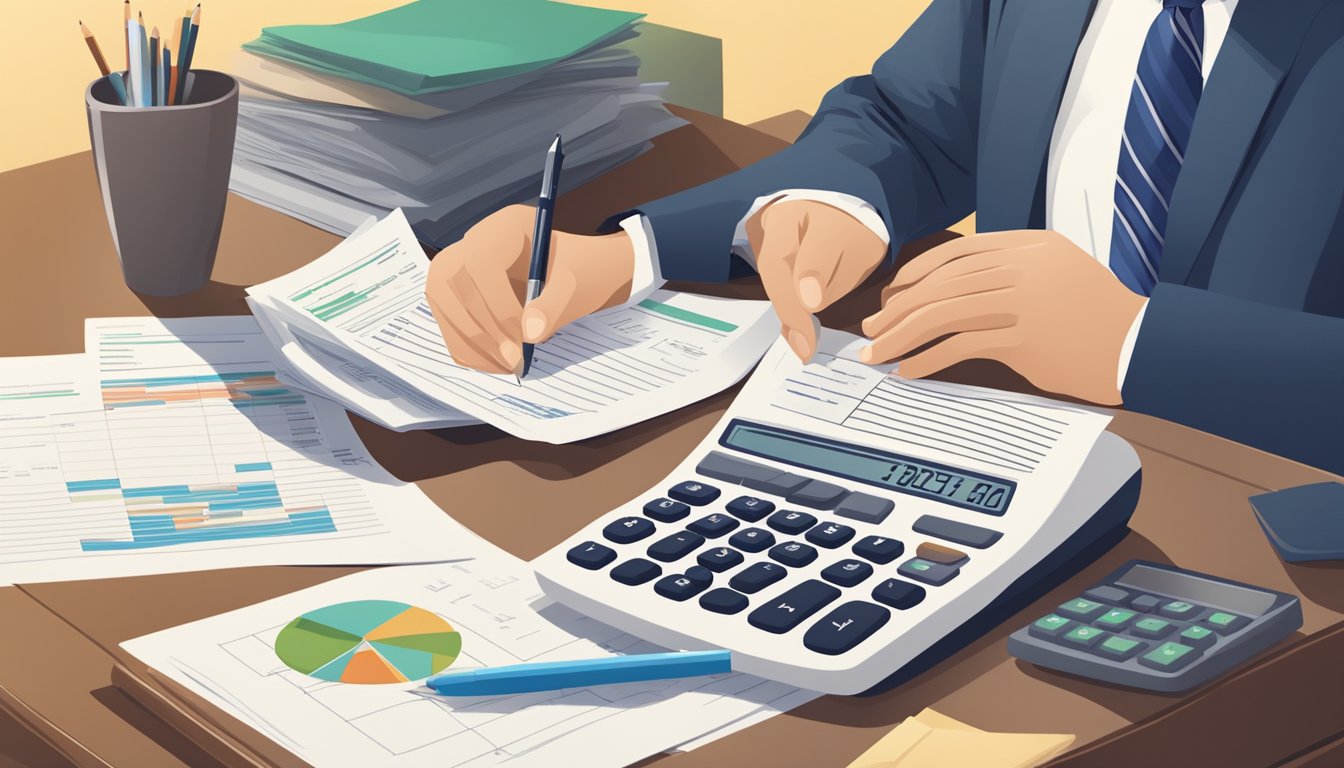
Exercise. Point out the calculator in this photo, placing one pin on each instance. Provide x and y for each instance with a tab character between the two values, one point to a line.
1158	628
841	529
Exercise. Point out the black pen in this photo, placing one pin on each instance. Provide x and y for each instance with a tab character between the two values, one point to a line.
541	235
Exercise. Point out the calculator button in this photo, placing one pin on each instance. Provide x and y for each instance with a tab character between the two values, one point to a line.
792	553
637	571
845	627
677	587
1197	636
791	523
1107	594
1118	648
1081	609
847	573
750	508
756	577
713	526
693	493
666	510
782	484
1115	619
935	574
1179	609
752	539
1050	627
700	575
723	600
628	530
830	535
866	508
900	595
676	546
961	533
1150	626
722	466
1145	603
818	494
793	607
879	549
1083	636
1226	623
937	553
719	559
591	555
1169	657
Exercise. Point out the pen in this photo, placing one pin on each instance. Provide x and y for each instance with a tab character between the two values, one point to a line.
554	675
541	234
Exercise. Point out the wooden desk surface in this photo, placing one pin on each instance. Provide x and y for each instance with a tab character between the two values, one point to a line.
526	497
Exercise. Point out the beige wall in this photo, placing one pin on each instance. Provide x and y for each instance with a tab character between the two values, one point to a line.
778	54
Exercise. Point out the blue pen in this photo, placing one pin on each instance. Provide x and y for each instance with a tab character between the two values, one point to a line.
554	675
541	234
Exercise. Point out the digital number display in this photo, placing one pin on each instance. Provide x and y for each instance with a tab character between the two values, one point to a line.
903	474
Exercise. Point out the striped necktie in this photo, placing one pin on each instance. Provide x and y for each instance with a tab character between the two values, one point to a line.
1162	107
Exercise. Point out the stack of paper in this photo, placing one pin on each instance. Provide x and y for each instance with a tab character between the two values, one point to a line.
441	107
354	326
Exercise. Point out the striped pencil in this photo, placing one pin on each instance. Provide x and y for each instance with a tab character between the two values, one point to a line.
97	52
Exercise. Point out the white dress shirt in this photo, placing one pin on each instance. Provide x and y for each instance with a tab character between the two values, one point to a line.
1084	147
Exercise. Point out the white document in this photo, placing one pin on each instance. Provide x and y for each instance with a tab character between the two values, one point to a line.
494	603
171	447
606	371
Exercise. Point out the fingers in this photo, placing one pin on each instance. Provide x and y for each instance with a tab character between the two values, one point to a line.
975	345
937	287
476	306
774	261
464	338
490	300
553	309
984	311
835	254
924	264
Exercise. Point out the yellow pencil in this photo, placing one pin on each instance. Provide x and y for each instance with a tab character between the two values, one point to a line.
97	52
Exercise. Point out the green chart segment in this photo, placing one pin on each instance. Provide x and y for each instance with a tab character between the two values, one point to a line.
368	642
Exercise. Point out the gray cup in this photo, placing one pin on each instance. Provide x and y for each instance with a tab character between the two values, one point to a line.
164	174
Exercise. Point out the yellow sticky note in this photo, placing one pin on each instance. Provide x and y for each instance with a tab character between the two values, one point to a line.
933	740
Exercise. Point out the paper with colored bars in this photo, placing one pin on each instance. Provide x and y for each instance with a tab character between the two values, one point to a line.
363	303
315	691
171	446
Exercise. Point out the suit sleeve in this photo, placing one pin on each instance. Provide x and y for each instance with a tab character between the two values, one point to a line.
1268	377
902	138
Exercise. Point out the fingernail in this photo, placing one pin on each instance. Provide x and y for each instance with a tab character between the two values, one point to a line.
510	353
533	325
866	354
799	344
809	290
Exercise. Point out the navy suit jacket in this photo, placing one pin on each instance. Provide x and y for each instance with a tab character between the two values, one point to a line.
1244	335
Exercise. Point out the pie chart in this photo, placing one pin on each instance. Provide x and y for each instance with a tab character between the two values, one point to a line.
368	642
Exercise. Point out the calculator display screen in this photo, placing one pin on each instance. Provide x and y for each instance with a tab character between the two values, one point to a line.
903	474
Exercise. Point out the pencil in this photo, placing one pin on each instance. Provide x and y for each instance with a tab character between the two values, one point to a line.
183	43
133	83
191	44
165	64
97	52
144	90
119	85
126	23
155	89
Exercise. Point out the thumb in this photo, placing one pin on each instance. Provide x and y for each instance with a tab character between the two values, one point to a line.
555	307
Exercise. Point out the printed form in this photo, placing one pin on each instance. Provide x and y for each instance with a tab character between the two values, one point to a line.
494	604
364	302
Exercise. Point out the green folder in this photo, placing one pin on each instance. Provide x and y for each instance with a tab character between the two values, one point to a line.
436	45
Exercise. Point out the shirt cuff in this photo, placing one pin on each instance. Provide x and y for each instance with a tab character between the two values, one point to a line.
1127	349
861	210
647	277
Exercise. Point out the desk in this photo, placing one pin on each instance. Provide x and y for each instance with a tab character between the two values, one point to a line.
526	497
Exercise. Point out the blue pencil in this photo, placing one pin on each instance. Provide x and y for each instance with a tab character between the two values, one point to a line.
155	89
554	675
165	65
144	96
188	46
119	85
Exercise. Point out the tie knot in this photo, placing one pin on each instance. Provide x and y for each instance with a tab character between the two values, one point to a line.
1182	3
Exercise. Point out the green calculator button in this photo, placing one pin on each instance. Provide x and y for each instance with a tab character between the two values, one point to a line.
1196	636
1116	618
1053	625
1085	636
1179	609
1151	627
1082	608
1119	648
1169	657
1226	623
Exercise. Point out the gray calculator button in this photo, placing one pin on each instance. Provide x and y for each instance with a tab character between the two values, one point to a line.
779	483
931	573
961	533
1145	603
731	469
1107	594
861	506
818	495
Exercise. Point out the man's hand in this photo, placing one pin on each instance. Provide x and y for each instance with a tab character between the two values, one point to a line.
476	287
1030	299
809	254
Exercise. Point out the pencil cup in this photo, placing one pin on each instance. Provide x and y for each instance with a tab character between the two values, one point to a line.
164	175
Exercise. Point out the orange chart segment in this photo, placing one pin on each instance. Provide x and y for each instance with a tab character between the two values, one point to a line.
396	643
